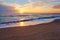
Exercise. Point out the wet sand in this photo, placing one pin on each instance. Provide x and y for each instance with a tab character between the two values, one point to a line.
48	31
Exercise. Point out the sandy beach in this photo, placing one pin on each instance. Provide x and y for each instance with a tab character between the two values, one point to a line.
48	31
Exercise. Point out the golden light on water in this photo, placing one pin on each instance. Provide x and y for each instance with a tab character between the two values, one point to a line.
21	24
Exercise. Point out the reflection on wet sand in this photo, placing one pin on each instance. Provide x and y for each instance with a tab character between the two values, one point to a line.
21	23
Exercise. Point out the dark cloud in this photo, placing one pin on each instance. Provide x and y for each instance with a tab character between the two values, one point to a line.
4	9
57	6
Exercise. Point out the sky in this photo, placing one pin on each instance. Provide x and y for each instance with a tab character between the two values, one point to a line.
30	6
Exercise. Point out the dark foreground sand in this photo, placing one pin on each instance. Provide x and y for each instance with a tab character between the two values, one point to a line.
49	31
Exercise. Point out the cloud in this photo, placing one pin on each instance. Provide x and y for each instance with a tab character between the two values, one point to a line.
36	4
56	6
33	7
7	9
48	0
39	7
45	1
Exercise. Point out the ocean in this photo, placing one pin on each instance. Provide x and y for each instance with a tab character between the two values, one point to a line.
26	19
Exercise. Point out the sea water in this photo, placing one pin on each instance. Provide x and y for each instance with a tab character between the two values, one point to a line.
31	19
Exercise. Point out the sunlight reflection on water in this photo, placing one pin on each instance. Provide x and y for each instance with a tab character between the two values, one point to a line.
22	24
28	23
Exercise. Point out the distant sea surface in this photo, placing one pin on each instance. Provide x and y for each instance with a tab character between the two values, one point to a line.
31	19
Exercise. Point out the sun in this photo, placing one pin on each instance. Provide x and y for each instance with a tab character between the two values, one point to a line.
22	11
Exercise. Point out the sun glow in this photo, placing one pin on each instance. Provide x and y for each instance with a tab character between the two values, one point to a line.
29	9
22	10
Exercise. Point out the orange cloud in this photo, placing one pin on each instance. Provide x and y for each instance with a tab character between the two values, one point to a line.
40	10
38	7
33	8
57	6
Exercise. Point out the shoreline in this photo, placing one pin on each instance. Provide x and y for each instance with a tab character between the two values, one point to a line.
47	31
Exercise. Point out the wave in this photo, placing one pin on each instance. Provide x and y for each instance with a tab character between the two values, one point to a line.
29	21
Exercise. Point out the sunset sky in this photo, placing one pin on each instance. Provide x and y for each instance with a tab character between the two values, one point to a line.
30	6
